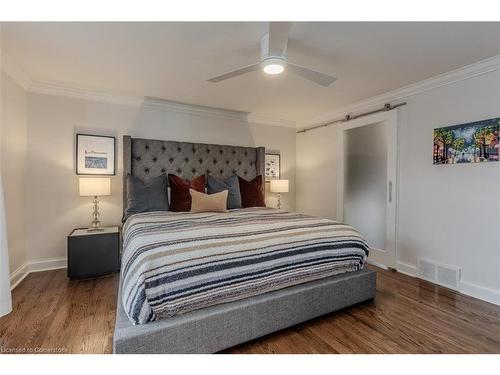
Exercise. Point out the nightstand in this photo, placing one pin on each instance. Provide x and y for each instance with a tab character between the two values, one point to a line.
93	253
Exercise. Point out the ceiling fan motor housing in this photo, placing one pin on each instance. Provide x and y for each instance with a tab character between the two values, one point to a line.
271	63
266	54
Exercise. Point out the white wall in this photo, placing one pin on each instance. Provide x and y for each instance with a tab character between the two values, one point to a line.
53	205
13	159
316	169
450	214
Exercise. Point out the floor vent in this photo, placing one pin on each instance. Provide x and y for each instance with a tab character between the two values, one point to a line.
442	274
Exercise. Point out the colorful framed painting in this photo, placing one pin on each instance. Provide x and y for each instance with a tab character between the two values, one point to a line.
473	142
273	167
95	154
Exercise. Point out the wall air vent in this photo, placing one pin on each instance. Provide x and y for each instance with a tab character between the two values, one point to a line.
427	270
448	276
438	273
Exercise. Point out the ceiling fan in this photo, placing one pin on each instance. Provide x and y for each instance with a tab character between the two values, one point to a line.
274	59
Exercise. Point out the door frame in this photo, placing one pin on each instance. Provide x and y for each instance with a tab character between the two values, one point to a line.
392	213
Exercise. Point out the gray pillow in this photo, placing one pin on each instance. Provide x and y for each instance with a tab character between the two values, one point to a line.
231	184
145	196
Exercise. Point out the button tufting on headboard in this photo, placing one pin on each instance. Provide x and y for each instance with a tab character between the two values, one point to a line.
154	157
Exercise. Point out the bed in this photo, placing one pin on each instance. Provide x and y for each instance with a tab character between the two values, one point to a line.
201	283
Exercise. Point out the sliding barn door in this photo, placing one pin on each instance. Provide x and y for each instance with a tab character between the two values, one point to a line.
369	185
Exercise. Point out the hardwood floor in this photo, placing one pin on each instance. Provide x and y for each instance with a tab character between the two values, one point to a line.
54	315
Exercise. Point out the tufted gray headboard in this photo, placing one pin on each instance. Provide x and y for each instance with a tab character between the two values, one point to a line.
147	158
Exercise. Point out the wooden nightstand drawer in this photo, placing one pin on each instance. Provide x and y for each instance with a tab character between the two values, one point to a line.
93	253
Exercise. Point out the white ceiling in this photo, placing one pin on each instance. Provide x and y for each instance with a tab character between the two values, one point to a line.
173	60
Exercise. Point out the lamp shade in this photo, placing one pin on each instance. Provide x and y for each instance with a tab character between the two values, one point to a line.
279	186
95	186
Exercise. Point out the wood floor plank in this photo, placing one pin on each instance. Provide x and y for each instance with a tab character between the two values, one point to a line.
52	314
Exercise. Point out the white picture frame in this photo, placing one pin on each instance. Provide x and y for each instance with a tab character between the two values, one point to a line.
95	155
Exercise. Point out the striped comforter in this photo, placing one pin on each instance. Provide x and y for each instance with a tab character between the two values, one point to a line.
177	262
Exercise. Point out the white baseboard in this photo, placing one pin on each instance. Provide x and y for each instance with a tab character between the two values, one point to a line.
37	265
481	292
18	275
369	261
47	264
466	287
406	268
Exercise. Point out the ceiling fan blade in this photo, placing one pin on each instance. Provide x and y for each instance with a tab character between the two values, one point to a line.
312	75
235	73
278	37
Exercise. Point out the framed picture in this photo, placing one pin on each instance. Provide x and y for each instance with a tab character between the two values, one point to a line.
473	142
273	167
95	154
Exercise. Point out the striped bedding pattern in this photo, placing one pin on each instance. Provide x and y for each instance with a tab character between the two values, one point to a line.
174	263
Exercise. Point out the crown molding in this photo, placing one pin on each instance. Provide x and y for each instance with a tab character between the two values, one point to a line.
193	109
56	89
15	72
46	88
482	67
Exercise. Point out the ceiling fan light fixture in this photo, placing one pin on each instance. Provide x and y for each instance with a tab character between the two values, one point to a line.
273	65
274	59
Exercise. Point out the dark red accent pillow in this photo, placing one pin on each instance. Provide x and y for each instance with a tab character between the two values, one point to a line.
180	199
252	192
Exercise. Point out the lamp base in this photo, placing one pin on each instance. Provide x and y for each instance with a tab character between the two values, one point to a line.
95	225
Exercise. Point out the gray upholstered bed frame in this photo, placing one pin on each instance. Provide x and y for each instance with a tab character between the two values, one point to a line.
212	329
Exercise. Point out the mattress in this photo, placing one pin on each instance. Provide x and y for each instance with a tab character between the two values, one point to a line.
174	263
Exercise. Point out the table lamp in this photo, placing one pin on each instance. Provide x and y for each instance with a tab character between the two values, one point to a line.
95	187
279	186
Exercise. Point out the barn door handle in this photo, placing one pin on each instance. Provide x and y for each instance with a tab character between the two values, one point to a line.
390	191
